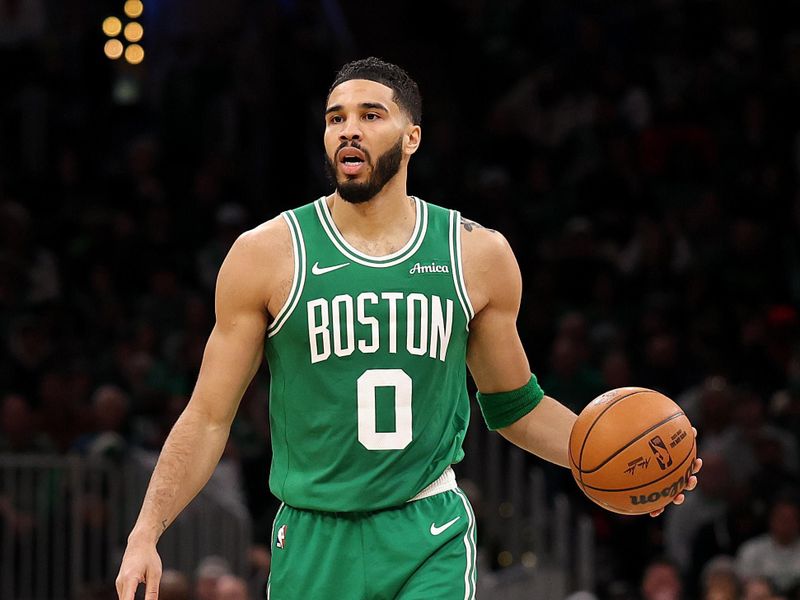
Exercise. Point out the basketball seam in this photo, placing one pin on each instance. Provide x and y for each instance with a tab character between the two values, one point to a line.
665	475
627	445
588	431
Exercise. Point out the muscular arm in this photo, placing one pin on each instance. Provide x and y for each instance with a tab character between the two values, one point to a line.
495	355
231	359
251	285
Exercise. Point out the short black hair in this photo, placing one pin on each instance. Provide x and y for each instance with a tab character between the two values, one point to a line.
406	91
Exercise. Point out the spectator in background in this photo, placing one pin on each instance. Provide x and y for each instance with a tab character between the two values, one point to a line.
582	595
719	580
230	587
174	586
743	442
707	503
775	555
208	573
758	588
723	534
571	377
30	353
231	220
110	405
617	370
708	405
673	160
662	580
37	263
19	431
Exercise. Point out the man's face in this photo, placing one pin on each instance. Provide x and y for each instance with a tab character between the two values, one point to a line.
784	523
367	138
661	583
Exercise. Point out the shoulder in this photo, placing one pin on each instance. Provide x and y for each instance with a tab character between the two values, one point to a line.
265	237
485	250
260	255
274	231
490	267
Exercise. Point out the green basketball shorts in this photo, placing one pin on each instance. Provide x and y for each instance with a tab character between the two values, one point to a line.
423	550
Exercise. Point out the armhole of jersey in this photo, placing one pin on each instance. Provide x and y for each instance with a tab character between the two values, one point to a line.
298	281
457	267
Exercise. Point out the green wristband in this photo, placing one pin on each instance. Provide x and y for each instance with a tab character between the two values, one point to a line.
501	409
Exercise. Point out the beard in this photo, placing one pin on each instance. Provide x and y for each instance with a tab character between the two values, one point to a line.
386	167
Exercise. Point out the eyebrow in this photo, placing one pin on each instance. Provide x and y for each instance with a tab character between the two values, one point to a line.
363	105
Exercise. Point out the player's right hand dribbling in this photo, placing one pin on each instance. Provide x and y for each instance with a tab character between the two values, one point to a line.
140	564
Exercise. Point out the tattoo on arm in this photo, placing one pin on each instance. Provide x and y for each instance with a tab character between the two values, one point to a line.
470	225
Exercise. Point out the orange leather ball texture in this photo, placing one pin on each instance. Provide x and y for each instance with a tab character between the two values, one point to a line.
631	450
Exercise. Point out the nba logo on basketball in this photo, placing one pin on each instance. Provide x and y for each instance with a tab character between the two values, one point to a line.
659	448
281	543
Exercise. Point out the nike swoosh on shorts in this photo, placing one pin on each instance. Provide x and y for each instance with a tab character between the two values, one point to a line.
437	530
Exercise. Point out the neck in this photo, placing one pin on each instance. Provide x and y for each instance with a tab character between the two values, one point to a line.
390	211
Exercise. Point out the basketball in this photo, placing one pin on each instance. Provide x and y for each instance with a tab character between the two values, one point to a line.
631	450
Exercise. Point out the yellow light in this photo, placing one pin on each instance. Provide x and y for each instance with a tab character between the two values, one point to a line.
133	32
113	49
134	54
133	8
505	558
112	26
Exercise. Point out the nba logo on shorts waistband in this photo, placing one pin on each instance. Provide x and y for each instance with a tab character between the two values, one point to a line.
281	542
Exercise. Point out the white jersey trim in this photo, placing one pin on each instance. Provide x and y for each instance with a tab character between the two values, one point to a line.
298	281
458	266
390	260
472	552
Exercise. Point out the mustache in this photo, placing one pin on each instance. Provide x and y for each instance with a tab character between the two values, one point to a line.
353	144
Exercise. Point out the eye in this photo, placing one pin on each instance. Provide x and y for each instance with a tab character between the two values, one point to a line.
372	116
335	119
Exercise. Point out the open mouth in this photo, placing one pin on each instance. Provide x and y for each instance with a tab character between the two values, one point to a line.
351	160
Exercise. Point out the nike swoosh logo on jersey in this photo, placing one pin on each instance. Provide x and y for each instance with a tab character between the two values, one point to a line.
437	530
317	270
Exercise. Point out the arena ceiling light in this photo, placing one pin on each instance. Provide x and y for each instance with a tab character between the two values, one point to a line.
133	32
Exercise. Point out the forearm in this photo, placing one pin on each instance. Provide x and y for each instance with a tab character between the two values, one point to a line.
190	455
544	431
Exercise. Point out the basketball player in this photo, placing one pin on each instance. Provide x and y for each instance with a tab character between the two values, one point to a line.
367	303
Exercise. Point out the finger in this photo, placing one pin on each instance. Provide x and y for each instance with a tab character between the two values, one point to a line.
695	431
655	513
698	464
678	499
153	579
126	588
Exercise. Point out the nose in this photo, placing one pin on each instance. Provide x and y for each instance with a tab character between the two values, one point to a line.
350	131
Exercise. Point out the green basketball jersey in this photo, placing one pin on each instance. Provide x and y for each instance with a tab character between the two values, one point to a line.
368	398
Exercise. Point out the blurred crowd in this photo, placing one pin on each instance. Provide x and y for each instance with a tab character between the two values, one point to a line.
642	158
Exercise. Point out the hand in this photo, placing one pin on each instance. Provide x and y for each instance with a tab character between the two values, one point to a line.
692	483
140	564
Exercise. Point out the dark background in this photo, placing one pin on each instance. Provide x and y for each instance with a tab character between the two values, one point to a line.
642	158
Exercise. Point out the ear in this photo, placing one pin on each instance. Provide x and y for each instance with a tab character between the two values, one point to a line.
412	139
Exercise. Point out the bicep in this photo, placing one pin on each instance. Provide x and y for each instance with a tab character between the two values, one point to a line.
495	355
234	348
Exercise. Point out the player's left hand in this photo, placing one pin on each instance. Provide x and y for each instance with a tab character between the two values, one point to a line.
698	464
